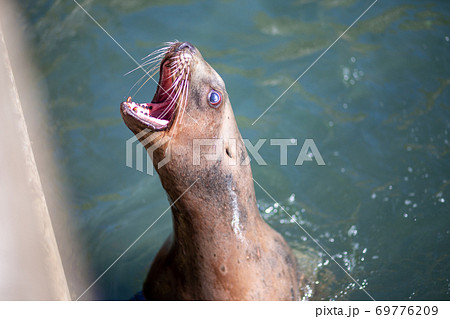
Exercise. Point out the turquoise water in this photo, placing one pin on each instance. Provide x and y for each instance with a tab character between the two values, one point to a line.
376	105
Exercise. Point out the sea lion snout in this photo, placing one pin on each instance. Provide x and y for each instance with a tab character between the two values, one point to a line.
187	45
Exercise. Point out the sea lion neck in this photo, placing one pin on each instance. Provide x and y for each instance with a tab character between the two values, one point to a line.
216	173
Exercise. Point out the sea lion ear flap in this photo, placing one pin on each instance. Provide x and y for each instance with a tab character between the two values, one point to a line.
215	98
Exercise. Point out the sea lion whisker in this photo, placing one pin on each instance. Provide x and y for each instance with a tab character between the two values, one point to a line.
155	57
176	82
169	93
179	76
172	74
175	66
153	64
172	88
153	69
171	43
162	48
153	60
160	51
142	85
138	67
138	81
183	106
179	93
172	103
185	91
157	61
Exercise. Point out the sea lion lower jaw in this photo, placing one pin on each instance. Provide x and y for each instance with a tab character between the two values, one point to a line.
221	249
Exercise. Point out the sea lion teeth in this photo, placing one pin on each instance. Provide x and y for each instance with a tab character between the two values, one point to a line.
159	121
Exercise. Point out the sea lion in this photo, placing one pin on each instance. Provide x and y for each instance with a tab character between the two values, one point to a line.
221	248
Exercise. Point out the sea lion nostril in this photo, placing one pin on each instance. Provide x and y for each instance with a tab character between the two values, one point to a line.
186	45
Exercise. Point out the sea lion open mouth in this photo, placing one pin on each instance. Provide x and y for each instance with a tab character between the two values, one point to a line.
172	91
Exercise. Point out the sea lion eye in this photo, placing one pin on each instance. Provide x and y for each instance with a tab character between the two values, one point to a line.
214	98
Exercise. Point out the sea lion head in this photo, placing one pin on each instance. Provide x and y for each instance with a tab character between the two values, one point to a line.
190	117
187	85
